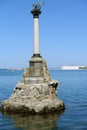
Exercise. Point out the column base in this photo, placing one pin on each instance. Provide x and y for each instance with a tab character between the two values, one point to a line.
36	55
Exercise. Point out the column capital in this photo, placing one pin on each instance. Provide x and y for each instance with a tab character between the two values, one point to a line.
36	13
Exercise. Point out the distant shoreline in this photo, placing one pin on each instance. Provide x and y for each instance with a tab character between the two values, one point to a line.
12	69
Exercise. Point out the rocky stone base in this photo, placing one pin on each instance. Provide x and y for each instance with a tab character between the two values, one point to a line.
33	99
36	93
35	107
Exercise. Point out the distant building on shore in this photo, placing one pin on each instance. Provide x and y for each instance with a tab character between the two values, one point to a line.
72	67
14	69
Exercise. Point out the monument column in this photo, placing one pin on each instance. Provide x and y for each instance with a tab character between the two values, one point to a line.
36	12
36	62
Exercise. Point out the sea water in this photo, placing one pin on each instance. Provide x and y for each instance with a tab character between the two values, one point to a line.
72	90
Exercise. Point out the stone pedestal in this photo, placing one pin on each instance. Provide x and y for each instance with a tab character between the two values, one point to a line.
36	67
36	92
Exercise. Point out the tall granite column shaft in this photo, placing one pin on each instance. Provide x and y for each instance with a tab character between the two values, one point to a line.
36	13
36	37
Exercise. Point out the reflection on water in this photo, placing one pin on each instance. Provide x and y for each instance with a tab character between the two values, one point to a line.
35	122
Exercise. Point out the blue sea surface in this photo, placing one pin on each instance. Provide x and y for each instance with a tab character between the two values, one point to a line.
72	90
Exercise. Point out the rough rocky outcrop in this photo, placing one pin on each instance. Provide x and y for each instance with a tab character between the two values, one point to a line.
36	92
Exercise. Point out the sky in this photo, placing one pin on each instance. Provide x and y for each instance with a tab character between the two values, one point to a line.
63	32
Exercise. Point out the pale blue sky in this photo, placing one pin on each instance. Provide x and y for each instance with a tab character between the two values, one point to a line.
63	32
